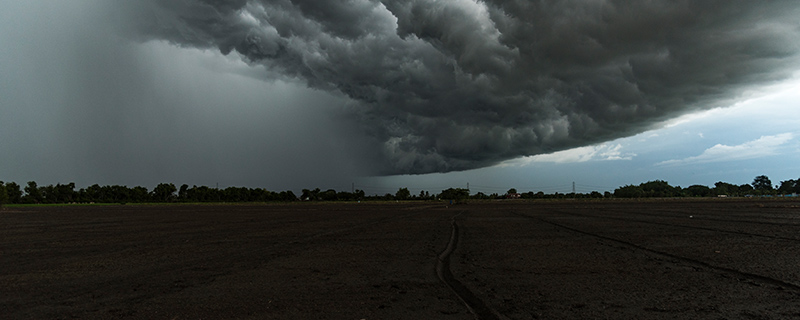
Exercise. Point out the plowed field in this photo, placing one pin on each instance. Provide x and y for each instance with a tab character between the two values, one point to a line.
660	259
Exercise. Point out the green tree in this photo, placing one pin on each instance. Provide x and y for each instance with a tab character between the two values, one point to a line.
762	184
64	193
629	191
310	195
480	195
659	189
789	186
182	196
14	192
328	195
32	193
511	191
164	192
745	189
454	194
3	194
724	188
698	191
402	194
289	195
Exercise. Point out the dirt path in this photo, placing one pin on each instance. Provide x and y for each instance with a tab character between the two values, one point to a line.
475	305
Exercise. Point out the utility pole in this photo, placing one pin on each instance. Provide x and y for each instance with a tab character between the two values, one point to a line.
573	187
353	187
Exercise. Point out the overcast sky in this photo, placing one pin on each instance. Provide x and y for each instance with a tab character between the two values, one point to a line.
386	94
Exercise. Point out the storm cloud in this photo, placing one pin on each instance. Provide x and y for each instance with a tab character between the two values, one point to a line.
438	86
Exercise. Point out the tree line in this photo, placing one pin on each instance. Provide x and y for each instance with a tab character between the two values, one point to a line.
12	193
32	193
761	186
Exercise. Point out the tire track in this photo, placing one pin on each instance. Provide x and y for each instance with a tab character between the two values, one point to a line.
696	263
475	305
679	213
679	225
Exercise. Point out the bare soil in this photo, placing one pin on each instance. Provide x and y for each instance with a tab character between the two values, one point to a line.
662	259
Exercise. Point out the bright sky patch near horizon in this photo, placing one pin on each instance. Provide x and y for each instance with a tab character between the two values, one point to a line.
388	94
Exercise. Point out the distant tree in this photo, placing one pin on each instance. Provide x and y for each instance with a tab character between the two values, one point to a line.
511	191
345	196
164	192
789	186
480	196
328	195
3	194
32	193
202	194
92	193
629	191
288	196
182	195
312	195
724	188
235	194
402	194
14	192
659	189
454	194
60	193
698	191
762	184
137	194
122	194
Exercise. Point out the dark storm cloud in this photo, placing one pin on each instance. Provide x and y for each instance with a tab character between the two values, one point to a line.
453	85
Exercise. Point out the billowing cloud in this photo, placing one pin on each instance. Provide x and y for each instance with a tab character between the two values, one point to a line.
440	86
602	152
761	147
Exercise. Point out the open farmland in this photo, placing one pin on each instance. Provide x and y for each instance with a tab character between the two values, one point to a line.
662	259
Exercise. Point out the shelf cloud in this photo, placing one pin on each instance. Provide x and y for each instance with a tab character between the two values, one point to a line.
438	86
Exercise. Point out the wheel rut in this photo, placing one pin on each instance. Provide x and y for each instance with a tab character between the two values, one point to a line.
680	226
663	213
475	305
697	263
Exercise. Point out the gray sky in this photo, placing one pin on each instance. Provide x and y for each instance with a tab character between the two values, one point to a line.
304	94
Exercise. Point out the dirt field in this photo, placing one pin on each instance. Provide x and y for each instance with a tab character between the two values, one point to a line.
670	259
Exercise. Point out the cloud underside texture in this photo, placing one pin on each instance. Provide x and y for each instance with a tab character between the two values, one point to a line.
440	86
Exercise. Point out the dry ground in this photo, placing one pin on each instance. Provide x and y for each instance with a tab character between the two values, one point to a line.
711	259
